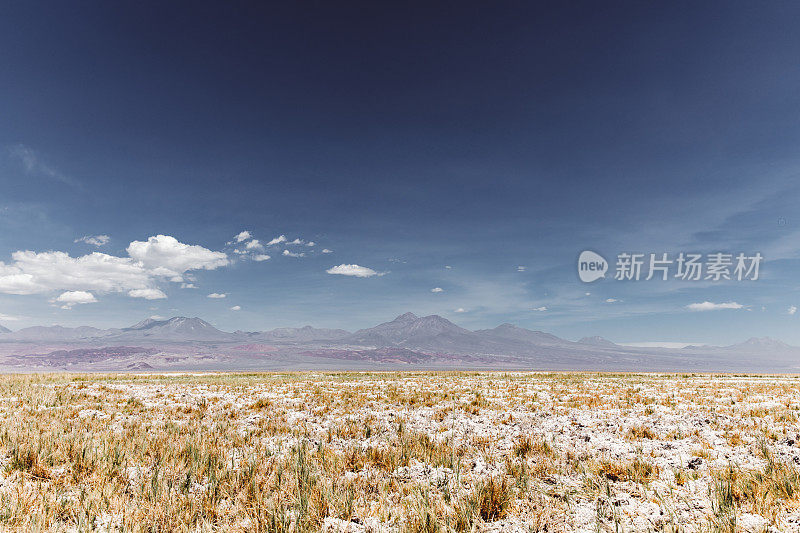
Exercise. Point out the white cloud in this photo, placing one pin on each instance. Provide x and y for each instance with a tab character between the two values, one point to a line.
710	306
188	286
254	245
521	268
792	309
95	240
71	298
460	310
326	251
166	255
296	241
243	236
353	270
448	267
8	317
437	289
311	244
36	273
217	295
542	308
611	300
287	253
588	293
261	257
161	258
147	294
277	240
236	308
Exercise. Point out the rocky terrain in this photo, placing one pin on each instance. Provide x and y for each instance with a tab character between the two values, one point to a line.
400	452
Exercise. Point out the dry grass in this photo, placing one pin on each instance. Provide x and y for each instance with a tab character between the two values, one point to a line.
400	452
640	432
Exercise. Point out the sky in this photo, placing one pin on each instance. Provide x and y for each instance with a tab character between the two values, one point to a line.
450	159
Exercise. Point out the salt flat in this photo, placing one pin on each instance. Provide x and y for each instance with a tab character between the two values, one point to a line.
400	452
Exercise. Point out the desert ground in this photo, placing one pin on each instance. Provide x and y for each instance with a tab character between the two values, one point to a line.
399	452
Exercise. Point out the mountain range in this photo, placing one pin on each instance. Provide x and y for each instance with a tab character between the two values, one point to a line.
408	340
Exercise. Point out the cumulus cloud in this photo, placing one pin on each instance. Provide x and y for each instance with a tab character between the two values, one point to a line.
353	270
167	256
460	310
542	308
236	308
611	300
217	295
792	309
161	258
76	297
521	268
188	286
36	273
710	306
253	248
95	240
147	294
70	298
437	289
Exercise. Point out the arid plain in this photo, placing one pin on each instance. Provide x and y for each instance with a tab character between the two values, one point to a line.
399	452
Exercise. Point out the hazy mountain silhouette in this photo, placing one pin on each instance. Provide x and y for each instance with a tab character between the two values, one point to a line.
408	339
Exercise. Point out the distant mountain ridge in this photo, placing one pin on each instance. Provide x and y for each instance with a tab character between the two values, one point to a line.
54	333
171	330
512	332
762	342
407	338
175	329
408	330
437	334
597	341
304	334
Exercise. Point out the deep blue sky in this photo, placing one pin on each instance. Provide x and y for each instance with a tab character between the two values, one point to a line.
482	137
